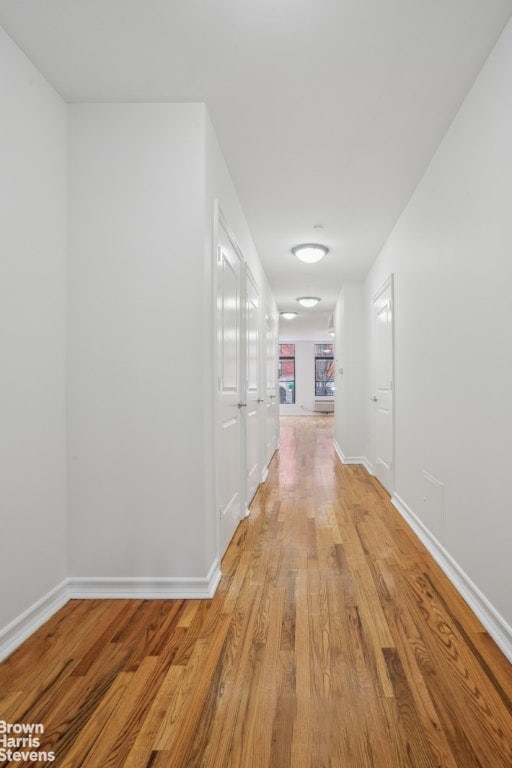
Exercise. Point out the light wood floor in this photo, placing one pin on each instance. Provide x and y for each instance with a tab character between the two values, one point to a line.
333	640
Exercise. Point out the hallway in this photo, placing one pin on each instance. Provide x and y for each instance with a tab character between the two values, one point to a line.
333	640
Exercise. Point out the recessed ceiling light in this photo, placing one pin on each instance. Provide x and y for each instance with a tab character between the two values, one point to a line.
310	252
308	301
289	315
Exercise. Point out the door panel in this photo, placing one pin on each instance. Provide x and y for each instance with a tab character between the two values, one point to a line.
229	496
252	324
382	312
229	298
271	406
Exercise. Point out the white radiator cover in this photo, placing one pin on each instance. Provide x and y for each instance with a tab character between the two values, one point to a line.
324	406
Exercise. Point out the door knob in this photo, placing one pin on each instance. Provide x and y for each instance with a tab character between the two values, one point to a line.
240	404
373	399
260	400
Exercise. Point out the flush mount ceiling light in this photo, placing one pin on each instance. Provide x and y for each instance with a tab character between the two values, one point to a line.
310	252
288	315
308	301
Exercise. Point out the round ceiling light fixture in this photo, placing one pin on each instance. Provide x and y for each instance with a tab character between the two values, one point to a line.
310	252
288	315
308	301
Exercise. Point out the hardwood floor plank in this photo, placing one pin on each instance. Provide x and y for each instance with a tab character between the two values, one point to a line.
142	751
285	712
481	700
96	730
302	736
416	744
226	710
333	641
115	744
176	710
259	719
414	657
105	629
33	660
197	697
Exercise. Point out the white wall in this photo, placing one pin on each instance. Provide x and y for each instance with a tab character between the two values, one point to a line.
136	341
451	255
351	352
32	308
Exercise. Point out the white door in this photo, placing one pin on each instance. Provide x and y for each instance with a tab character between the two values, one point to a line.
252	392
271	404
382	397
229	405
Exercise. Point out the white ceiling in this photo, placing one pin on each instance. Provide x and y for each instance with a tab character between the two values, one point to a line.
327	111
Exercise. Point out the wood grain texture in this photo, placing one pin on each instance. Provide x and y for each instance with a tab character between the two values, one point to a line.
334	641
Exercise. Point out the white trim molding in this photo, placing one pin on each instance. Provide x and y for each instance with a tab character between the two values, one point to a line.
494	623
146	588
352	459
30	620
84	588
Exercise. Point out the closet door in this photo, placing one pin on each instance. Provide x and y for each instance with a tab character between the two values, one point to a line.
382	397
253	412
271	402
230	406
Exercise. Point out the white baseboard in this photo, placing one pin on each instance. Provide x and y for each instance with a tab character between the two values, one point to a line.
264	474
497	627
145	588
34	617
352	459
84	588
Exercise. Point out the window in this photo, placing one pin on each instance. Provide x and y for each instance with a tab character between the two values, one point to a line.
324	370
287	373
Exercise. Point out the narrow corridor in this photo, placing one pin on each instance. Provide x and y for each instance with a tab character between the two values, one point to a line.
333	640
